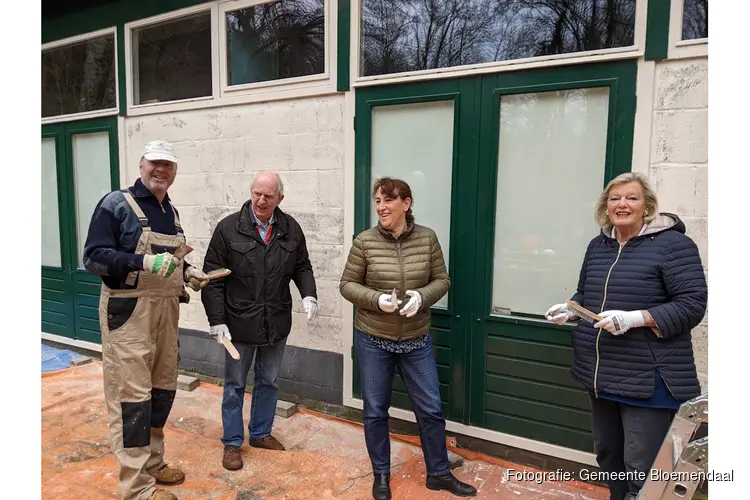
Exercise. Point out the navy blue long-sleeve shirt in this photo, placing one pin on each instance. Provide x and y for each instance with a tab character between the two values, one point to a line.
115	230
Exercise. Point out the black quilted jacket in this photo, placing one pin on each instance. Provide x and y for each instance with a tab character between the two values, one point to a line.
661	272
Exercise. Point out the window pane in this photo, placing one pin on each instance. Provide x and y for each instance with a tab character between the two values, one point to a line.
550	174
404	35
172	60
276	40
78	78
50	214
694	19
92	180
414	142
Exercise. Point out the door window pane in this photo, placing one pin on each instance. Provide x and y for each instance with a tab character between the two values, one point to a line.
79	77
92	180
276	40
404	35
694	19
50	215
550	174
414	142
172	60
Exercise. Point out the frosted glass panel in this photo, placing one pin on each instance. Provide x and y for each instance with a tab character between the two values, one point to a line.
50	215
550	174
92	180
414	142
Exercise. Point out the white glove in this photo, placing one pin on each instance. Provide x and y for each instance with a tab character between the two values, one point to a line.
195	278
386	304
310	304
219	331
619	322
559	314
411	307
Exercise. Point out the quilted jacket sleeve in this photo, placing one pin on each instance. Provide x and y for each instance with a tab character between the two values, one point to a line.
212	294
439	280
352	284
685	283
578	297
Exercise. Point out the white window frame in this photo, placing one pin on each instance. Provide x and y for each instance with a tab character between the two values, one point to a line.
633	52
77	39
221	93
679	48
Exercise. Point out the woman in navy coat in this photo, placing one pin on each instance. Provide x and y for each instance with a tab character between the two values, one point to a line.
644	276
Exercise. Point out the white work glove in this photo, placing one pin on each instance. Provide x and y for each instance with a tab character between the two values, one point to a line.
619	322
195	278
386	304
559	314
310	304
219	331
411	307
162	264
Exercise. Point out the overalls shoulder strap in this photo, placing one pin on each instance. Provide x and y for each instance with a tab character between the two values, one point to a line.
146	231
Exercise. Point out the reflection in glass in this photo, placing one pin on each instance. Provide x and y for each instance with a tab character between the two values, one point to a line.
414	142
50	213
78	78
91	173
550	173
172	60
404	35
276	40
694	19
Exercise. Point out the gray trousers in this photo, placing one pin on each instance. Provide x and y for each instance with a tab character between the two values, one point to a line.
626	439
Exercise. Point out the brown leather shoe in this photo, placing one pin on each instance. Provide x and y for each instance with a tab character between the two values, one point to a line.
162	495
269	443
168	476
232	459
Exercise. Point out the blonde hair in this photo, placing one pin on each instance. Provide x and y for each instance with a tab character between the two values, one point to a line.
651	203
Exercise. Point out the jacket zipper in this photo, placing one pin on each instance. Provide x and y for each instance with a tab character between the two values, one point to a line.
403	287
599	333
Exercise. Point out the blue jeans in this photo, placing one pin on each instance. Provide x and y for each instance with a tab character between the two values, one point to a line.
419	371
265	391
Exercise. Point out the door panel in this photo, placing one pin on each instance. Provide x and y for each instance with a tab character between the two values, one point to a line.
85	155
531	151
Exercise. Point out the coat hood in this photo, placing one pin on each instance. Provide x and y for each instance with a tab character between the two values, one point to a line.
665	221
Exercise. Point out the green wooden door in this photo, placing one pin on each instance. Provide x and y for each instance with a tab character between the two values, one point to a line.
80	165
531	146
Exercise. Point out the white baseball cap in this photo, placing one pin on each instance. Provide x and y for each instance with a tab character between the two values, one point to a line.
159	150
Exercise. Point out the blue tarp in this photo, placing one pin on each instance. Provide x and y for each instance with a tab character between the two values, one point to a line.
56	359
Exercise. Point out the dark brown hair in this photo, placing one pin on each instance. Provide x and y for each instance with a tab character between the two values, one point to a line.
394	188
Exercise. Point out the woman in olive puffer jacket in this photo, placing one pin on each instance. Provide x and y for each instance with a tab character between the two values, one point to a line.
398	254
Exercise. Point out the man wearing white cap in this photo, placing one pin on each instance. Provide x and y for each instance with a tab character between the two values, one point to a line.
131	239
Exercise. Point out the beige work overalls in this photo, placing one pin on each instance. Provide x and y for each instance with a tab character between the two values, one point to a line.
140	360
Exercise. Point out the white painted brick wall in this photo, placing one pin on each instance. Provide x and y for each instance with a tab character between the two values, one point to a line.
679	161
221	149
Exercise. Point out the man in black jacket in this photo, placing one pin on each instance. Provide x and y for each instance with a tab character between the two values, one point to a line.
265	249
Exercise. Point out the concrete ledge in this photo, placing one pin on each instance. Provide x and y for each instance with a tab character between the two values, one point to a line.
285	409
186	383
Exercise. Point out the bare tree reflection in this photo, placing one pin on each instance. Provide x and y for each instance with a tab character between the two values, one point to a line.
410	35
695	19
79	78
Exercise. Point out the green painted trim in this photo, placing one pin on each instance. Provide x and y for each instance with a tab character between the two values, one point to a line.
657	30
343	45
122	88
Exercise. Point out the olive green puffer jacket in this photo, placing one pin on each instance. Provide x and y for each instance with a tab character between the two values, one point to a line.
378	263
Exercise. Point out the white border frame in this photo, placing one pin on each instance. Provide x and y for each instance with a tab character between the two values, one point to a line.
679	48
221	93
63	42
632	52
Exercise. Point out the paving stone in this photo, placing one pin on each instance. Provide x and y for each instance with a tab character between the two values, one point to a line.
285	409
186	382
80	360
455	460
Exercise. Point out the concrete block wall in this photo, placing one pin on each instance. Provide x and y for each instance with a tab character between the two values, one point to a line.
679	161
220	150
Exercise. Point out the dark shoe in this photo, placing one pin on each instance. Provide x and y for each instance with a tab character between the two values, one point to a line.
381	489
269	443
450	483
168	476
232	459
